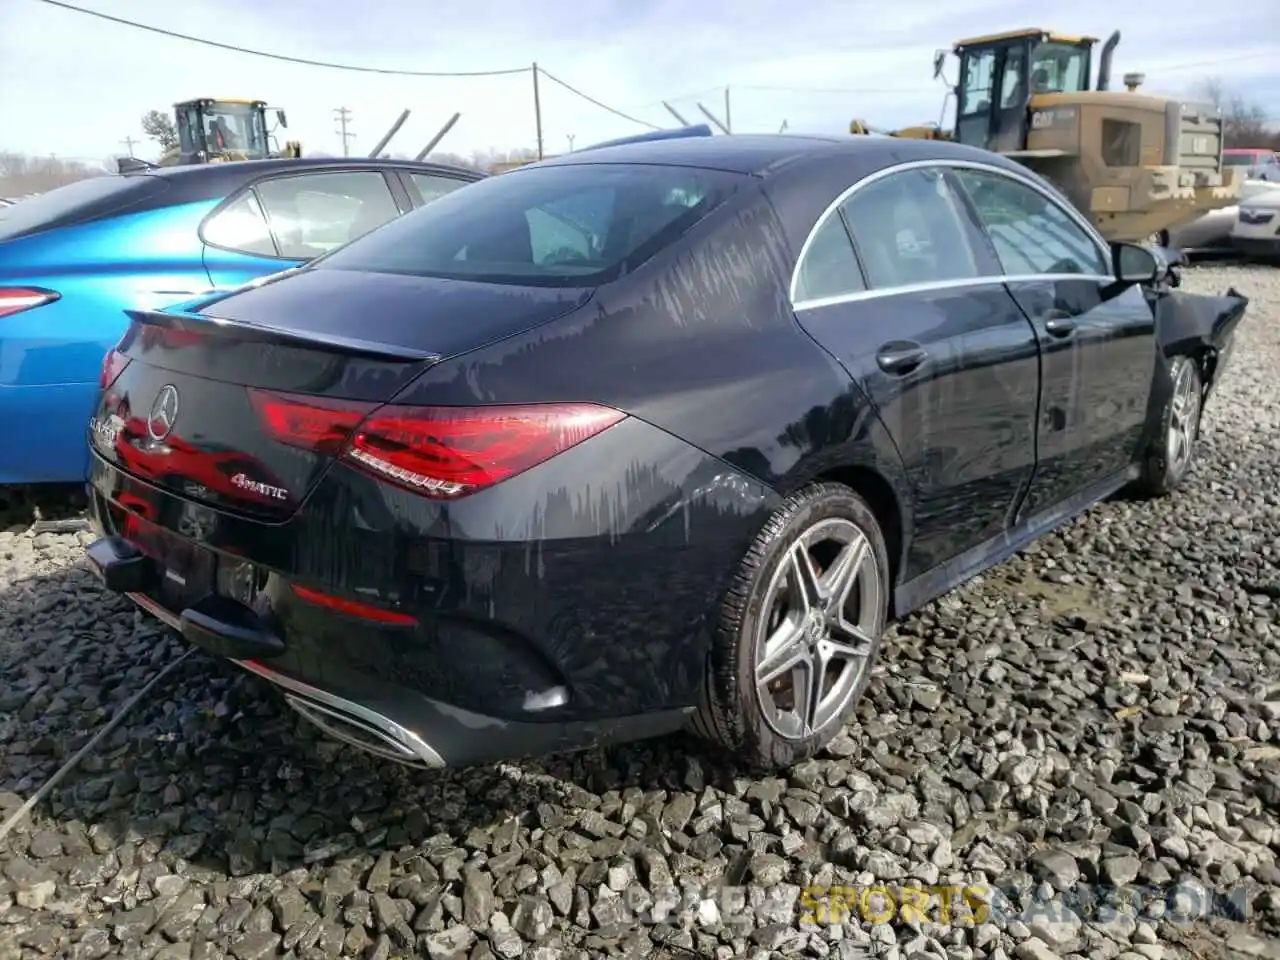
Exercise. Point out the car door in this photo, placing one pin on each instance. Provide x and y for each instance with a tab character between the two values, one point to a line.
902	289
285	220
1097	337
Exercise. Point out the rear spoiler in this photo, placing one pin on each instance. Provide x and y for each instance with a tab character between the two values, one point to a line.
183	322
134	165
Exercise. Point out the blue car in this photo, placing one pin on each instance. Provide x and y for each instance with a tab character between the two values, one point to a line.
73	260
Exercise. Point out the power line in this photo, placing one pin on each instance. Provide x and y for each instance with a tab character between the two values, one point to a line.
842	90
280	56
590	99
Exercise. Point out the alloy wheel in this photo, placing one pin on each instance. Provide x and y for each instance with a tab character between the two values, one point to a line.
1184	417
817	628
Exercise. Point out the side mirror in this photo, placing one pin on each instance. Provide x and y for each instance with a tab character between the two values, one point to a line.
1133	263
939	60
281	119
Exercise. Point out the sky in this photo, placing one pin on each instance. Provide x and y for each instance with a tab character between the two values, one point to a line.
76	86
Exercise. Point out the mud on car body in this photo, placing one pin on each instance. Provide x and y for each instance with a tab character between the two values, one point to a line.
656	435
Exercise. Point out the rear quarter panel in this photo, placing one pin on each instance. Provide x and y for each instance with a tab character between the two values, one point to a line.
50	356
140	261
702	343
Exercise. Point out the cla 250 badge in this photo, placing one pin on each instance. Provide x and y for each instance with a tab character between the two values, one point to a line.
106	431
260	488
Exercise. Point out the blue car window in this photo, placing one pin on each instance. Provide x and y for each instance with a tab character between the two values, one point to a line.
311	214
1032	234
431	186
241	226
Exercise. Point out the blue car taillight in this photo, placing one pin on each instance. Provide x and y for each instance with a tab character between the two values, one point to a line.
17	299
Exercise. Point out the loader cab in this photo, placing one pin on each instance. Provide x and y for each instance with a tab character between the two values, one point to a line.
1001	73
210	130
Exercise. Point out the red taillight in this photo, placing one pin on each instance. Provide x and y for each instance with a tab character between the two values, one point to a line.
113	365
449	452
311	423
353	608
439	452
17	299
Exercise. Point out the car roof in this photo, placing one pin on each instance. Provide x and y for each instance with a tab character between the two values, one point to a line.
244	170
188	183
763	155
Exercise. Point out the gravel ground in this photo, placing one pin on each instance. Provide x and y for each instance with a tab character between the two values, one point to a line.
1097	715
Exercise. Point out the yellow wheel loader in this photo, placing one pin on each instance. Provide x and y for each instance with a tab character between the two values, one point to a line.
216	131
1137	165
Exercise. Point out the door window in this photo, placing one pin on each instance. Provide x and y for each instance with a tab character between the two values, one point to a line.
829	267
431	186
908	229
314	213
241	226
1031	233
1012	89
979	83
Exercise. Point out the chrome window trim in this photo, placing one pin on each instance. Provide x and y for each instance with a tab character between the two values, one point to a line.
983	281
833	207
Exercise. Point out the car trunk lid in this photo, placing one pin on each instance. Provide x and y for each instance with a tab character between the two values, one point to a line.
221	404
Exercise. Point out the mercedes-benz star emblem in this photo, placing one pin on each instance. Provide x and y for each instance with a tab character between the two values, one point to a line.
164	412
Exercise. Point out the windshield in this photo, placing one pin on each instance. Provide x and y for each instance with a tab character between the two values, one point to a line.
234	126
93	197
1241	159
561	226
1059	68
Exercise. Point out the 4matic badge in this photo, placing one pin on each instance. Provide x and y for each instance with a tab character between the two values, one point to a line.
260	488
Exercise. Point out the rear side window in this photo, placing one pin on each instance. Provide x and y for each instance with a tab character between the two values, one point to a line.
829	267
432	187
76	203
314	213
560	226
241	225
909	229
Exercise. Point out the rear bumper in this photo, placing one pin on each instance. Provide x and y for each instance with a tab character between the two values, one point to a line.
546	639
418	732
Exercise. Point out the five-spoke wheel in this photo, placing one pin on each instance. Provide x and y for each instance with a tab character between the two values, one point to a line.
799	630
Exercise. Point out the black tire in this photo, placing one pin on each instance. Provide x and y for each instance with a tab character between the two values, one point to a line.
1165	468
732	714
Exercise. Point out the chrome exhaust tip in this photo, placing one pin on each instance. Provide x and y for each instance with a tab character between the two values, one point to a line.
358	733
351	723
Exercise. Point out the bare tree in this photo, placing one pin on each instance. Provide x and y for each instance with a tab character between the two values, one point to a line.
1244	121
159	127
22	174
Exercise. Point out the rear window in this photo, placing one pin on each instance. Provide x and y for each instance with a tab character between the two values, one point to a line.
76	202
570	226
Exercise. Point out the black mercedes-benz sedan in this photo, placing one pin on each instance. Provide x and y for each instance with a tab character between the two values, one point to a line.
646	436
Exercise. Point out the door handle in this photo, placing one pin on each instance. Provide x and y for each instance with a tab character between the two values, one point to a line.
1059	325
900	356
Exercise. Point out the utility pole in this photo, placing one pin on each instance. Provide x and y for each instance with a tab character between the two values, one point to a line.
129	142
570	137
342	115
537	108
728	117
